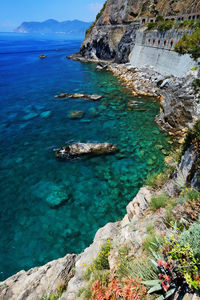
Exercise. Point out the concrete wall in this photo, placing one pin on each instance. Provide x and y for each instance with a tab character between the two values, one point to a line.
155	49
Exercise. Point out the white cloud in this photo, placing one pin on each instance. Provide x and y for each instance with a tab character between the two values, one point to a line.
95	7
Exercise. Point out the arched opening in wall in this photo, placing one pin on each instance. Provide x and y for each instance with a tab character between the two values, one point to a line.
166	19
182	18
143	21
154	41
158	42
193	17
151	21
172	19
179	18
189	18
171	43
198	16
149	40
165	43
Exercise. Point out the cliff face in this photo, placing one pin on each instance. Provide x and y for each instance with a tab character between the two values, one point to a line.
114	26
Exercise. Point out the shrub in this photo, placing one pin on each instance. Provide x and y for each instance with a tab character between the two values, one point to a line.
140	268
189	194
166	25
101	261
156	180
151	241
159	201
189	44
192	237
150	228
127	289
151	26
159	19
184	263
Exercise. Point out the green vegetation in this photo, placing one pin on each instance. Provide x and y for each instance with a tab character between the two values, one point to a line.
58	293
190	44
192	237
101	261
150	242
163	25
166	25
159	201
136	268
89	30
152	26
156	180
150	228
192	138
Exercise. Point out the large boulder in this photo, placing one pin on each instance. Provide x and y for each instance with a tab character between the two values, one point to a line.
80	149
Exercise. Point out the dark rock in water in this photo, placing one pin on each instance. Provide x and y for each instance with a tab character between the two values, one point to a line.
93	97
42	56
62	95
57	199
101	66
76	114
79	149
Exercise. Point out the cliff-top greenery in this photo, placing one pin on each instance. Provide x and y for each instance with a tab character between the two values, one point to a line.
163	25
190	44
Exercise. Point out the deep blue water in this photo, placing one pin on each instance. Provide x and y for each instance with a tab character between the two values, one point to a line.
33	123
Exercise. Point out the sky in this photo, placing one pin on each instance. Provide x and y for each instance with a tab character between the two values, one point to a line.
14	12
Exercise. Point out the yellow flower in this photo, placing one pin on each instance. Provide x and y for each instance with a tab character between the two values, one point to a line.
118	265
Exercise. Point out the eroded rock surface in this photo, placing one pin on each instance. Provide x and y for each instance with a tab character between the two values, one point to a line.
38	282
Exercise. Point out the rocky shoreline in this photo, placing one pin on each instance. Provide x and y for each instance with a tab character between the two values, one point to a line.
179	101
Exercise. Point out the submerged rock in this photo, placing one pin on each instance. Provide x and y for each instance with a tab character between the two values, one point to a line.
30	116
79	149
76	114
45	114
57	198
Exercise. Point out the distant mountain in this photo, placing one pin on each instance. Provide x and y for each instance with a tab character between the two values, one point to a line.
53	26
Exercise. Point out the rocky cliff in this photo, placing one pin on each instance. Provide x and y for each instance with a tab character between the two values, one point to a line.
113	32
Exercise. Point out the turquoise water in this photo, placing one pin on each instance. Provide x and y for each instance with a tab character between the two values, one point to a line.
33	123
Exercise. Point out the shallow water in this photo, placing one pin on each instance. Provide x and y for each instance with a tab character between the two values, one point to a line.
33	123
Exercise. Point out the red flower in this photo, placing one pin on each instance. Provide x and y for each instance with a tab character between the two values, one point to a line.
166	287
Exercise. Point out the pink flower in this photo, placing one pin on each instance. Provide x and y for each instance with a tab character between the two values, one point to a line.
160	263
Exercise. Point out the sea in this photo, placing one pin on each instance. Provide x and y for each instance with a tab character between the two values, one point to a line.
91	191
